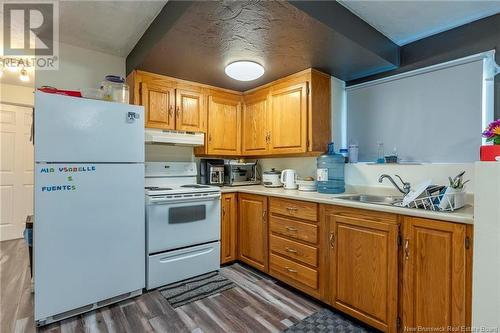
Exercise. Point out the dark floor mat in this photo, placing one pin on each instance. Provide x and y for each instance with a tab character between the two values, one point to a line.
326	321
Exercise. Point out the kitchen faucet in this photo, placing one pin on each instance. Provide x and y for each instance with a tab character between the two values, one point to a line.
406	186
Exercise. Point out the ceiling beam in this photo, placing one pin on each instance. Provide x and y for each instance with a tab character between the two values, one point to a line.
340	19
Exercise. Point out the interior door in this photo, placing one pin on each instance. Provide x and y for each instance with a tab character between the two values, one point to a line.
224	116
16	170
288	119
159	103
255	136
363	269
253	230
434	262
189	111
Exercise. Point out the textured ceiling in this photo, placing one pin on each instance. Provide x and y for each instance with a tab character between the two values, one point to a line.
406	21
211	34
112	27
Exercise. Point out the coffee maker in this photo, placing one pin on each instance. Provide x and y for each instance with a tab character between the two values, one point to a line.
212	172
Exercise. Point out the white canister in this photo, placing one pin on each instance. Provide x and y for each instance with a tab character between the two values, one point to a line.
353	153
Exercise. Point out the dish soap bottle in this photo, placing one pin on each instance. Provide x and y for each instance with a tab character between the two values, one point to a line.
330	172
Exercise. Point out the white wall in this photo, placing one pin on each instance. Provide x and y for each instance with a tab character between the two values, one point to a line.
14	94
486	261
80	68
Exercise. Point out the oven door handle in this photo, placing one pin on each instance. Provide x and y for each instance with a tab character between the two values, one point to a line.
163	200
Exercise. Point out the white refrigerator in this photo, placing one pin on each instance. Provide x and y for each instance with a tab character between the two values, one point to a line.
89	230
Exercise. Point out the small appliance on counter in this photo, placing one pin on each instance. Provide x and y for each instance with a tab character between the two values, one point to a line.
271	178
289	179
212	172
237	173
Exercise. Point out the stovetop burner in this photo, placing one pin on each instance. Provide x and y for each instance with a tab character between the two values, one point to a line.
157	188
195	186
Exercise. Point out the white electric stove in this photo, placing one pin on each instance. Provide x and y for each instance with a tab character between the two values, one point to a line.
182	223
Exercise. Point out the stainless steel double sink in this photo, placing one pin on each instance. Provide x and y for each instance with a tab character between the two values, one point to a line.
373	199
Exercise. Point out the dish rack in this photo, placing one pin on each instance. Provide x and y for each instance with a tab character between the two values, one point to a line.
442	202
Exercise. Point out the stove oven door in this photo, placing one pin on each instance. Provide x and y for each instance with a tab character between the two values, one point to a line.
177	223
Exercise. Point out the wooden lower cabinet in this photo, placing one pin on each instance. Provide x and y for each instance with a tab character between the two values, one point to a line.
435	274
395	273
252	240
295	245
229	225
363	264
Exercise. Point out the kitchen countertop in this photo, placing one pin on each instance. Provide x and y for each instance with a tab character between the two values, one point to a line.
463	215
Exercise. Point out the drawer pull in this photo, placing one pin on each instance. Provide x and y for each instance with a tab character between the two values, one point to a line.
290	250
407	249
332	240
291	228
292	209
291	270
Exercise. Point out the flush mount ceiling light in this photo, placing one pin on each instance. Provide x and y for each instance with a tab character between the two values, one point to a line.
244	70
24	75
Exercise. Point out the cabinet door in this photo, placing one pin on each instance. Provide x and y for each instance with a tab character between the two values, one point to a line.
288	119
158	103
363	268
224	116
434	274
254	133
253	230
189	111
228	228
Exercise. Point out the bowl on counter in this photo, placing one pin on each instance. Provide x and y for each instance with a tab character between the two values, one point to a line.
307	185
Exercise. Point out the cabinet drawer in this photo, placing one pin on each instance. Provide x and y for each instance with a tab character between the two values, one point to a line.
299	230
299	273
300	252
299	209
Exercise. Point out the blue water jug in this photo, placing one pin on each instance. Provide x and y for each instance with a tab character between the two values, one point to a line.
330	172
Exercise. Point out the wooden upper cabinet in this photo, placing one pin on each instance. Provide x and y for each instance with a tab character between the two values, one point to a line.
224	124
434	274
255	134
363	263
253	248
288	119
229	224
189	111
159	103
288	116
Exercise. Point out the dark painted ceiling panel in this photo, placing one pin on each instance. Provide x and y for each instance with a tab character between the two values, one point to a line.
199	39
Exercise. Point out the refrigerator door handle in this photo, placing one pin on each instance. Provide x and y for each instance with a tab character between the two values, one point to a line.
32	135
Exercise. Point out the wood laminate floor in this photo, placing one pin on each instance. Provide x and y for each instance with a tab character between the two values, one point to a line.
258	304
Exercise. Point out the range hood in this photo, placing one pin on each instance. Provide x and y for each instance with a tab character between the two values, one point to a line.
189	139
